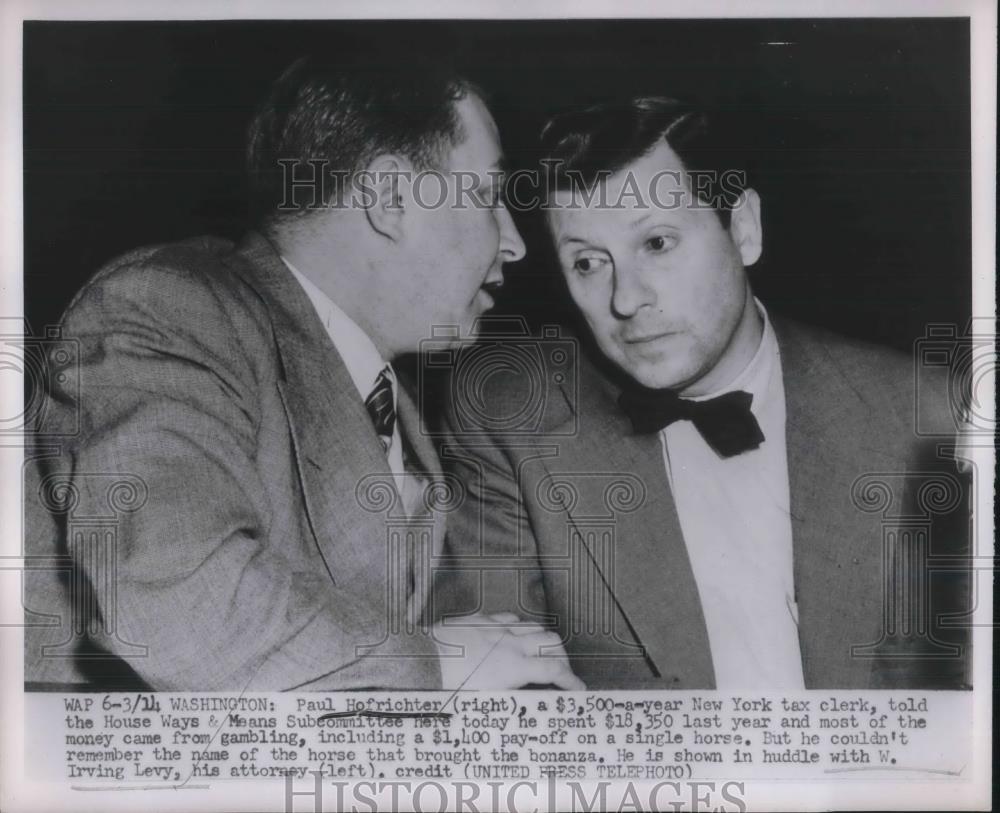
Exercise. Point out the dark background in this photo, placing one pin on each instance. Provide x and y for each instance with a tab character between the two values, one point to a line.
857	131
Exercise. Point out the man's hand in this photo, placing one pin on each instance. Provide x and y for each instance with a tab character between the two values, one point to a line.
500	652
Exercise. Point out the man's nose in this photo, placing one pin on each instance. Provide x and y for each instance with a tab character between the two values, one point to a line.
511	244
630	292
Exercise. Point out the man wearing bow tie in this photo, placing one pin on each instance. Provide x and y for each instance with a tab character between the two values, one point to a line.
288	504
685	510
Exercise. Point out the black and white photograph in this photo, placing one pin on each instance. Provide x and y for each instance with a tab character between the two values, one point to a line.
527	397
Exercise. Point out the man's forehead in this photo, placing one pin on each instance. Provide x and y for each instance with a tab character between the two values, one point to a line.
479	150
656	181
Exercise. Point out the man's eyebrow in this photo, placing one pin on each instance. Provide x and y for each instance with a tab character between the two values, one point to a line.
564	240
638	221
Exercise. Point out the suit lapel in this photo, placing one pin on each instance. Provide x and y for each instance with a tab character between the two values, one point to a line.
837	555
339	455
648	572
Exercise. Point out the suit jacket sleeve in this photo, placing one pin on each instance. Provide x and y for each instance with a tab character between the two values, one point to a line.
491	545
171	397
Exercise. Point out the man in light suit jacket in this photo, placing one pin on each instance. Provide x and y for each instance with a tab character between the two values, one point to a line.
716	498
232	489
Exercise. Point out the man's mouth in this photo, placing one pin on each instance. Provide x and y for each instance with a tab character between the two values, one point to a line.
647	338
489	292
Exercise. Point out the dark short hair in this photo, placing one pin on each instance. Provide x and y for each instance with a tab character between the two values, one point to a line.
340	112
582	145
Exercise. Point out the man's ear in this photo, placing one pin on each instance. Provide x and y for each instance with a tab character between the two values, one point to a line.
744	226
381	195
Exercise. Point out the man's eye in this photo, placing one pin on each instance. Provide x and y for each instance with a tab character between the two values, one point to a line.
589	265
660	243
490	197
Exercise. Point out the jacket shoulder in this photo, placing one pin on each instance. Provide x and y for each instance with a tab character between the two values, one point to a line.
858	356
189	287
890	381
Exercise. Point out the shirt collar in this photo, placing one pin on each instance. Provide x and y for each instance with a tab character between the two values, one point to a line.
757	376
361	357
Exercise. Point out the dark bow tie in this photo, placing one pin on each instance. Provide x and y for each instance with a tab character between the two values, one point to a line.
726	422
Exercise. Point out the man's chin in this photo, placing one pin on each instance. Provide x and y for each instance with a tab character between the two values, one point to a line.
655	375
466	335
479	324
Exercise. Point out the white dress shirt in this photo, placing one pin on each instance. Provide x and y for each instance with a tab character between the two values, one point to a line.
734	515
363	361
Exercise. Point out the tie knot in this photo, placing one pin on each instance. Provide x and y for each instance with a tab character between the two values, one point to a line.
381	407
725	422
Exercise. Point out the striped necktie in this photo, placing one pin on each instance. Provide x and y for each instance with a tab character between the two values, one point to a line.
381	407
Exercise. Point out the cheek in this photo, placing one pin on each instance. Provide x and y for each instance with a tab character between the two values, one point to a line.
703	304
605	328
593	302
490	243
475	247
715	294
